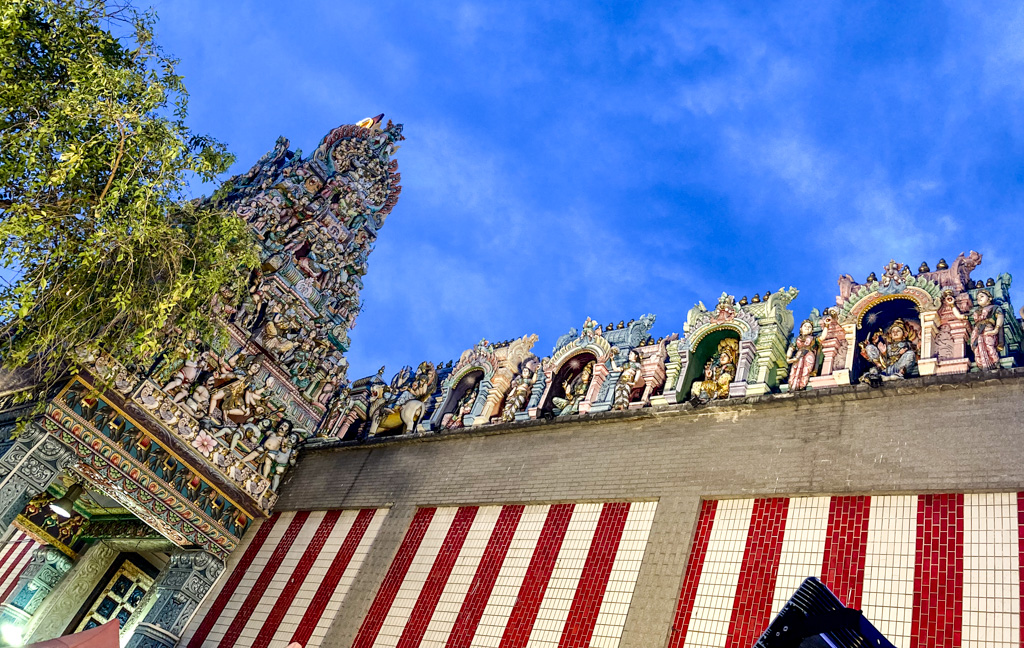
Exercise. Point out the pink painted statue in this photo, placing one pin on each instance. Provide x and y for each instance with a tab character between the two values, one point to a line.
986	320
802	356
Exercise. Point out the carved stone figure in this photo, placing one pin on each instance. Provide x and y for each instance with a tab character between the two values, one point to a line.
518	394
802	356
629	377
463	408
719	373
407	408
198	403
986	325
182	379
575	392
267	451
892	353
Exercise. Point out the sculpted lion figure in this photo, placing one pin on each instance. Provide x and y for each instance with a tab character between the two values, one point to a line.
387	411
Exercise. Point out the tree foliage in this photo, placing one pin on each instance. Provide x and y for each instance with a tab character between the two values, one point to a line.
95	160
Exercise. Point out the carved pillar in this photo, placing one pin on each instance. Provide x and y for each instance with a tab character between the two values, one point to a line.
601	372
188	578
64	601
478	404
928	361
842	376
45	570
748	353
540	390
500	383
33	462
678	361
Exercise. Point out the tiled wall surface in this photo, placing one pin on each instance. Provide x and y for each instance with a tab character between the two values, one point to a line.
558	576
901	438
930	571
289	582
14	557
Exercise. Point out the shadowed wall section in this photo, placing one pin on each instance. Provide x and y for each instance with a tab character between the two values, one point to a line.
289	581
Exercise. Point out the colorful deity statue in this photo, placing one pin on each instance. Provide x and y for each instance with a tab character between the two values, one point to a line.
463	408
628	377
892	352
575	392
986	326
267	454
518	394
719	372
802	356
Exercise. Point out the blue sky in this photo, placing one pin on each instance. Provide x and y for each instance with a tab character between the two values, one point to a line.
567	160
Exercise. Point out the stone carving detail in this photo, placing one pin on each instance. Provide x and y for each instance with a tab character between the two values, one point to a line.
29	466
281	362
187	579
45	570
67	597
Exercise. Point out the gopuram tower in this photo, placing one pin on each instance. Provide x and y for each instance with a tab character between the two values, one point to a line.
125	497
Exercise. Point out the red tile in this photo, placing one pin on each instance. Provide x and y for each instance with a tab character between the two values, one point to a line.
393	580
751	609
694	567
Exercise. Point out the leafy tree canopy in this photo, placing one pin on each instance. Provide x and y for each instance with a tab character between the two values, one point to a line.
95	159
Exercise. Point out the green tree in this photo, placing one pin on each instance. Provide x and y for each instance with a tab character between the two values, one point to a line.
95	160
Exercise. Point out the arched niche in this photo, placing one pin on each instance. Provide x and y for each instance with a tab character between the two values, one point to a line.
568	372
702	350
879	316
471	380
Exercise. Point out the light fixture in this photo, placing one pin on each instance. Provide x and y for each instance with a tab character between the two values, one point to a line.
65	506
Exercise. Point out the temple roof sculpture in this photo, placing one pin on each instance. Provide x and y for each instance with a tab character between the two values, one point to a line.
897	324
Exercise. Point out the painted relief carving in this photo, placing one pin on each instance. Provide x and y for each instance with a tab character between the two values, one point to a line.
802	356
402	405
892	352
522	386
575	390
986	326
719	373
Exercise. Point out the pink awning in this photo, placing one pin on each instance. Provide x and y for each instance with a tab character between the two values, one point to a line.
105	636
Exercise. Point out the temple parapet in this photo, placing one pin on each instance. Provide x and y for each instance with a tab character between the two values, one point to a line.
898	324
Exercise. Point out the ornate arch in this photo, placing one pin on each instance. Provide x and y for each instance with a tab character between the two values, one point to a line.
480	358
925	300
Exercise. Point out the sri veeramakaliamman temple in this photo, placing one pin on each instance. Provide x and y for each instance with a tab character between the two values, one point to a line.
618	491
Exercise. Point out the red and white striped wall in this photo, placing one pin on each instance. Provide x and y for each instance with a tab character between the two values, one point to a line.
558	576
929	571
15	555
289	583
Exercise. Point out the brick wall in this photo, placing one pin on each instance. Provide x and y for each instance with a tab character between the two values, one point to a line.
935	434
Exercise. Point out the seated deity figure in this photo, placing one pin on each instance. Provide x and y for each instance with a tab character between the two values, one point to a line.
892	353
464	407
518	395
986	322
629	372
575	392
719	373
802	357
